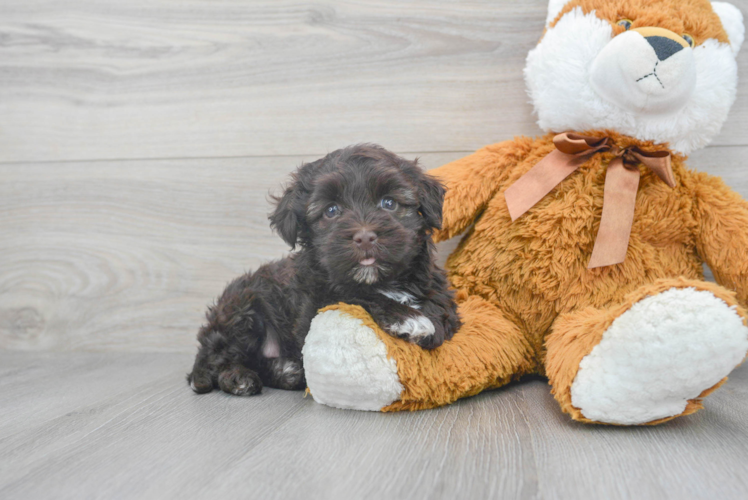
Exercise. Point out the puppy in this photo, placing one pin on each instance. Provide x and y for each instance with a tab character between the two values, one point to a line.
361	218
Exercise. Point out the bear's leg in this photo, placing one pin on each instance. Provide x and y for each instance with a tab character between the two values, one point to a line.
351	363
649	359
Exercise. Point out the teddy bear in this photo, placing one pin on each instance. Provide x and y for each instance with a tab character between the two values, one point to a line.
583	248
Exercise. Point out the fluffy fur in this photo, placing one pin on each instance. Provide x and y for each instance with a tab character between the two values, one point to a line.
529	303
561	68
656	380
373	384
362	219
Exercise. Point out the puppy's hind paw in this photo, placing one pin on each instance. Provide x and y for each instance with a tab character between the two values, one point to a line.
200	382
417	329
240	381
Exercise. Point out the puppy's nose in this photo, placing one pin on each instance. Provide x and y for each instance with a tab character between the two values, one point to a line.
364	239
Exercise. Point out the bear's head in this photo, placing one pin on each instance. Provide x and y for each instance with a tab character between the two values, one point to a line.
657	70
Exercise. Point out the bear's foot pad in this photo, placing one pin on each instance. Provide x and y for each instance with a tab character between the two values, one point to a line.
663	352
346	364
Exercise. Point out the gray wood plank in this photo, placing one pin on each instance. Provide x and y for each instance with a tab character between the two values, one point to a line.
126	255
81	79
477	449
152	438
149	418
684	458
28	383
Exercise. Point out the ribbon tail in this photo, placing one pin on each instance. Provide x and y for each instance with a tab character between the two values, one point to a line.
659	163
619	199
539	181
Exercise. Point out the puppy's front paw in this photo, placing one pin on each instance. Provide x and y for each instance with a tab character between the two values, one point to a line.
450	325
417	329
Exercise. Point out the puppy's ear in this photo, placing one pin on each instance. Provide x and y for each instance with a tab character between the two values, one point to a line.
288	218
431	197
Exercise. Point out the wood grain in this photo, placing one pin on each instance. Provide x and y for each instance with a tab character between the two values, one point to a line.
138	142
81	79
126	255
63	435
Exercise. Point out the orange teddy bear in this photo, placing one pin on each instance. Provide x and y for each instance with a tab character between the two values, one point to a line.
584	251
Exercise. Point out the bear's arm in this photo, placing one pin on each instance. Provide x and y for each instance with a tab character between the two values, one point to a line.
722	233
472	181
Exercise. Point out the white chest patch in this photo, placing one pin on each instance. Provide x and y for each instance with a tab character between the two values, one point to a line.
401	297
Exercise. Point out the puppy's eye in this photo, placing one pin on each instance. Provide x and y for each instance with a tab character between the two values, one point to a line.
332	210
688	38
626	23
388	203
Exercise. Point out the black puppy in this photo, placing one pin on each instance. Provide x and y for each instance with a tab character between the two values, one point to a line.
362	219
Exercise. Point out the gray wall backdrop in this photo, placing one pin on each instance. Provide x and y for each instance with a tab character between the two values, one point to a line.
139	139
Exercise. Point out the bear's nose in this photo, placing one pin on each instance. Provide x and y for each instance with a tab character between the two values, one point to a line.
364	239
663	47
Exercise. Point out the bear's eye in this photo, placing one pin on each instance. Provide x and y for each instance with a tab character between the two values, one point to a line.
688	38
626	23
332	211
388	203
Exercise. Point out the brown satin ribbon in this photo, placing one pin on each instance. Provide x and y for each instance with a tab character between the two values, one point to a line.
619	198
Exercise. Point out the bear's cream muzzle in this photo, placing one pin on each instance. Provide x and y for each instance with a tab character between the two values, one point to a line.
645	70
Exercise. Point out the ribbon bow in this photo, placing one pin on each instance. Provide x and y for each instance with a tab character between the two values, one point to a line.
619	198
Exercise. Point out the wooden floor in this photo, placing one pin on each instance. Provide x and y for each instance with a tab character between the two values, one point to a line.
138	143
114	425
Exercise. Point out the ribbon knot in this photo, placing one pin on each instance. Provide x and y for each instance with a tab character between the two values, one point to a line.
629	160
619	197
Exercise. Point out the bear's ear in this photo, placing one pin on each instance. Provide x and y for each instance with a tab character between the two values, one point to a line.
554	7
732	21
